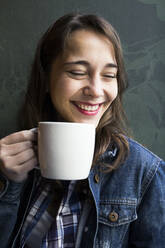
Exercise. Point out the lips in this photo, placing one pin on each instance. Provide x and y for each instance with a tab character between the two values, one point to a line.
87	108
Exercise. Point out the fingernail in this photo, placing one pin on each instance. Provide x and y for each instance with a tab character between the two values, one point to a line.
35	130
37	168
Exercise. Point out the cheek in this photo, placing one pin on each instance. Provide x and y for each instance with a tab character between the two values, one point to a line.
62	91
113	92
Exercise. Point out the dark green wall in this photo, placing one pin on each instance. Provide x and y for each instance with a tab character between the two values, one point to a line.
141	25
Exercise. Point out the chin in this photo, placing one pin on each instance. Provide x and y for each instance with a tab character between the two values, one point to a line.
95	123
88	120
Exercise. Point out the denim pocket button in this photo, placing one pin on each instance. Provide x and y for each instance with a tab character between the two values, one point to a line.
113	216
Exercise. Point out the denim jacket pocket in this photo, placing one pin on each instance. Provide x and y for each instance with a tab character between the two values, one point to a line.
117	212
115	217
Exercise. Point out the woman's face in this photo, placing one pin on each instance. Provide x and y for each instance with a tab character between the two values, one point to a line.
83	81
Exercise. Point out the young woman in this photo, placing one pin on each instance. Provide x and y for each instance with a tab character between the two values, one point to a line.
78	76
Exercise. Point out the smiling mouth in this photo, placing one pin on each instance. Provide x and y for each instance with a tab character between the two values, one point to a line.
87	109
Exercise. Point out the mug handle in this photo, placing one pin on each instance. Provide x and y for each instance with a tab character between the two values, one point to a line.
35	130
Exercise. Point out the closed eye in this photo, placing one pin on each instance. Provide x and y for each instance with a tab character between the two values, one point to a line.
76	73
109	75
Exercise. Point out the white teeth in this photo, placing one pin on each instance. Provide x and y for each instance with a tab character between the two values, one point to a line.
88	107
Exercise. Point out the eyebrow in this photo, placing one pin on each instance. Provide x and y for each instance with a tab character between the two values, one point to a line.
86	63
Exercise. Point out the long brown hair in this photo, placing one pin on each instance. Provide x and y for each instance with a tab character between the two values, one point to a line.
111	129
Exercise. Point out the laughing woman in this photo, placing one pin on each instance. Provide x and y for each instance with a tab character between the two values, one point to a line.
78	76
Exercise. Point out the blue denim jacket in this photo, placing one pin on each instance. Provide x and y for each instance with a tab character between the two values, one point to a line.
127	207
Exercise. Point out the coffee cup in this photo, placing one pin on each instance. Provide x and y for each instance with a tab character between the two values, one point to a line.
65	149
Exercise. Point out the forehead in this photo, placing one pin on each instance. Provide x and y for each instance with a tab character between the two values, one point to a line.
88	43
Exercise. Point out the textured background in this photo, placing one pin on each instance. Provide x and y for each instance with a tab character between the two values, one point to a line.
141	25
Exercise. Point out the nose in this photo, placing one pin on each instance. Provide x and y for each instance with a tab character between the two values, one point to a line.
94	88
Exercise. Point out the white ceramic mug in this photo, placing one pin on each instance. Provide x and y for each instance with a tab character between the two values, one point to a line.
66	149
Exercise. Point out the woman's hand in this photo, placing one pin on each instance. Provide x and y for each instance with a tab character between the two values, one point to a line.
17	155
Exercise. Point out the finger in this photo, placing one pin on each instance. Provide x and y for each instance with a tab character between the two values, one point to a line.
26	167
21	158
19	137
19	173
13	149
25	156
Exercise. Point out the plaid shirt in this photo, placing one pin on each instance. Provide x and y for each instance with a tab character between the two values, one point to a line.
63	230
